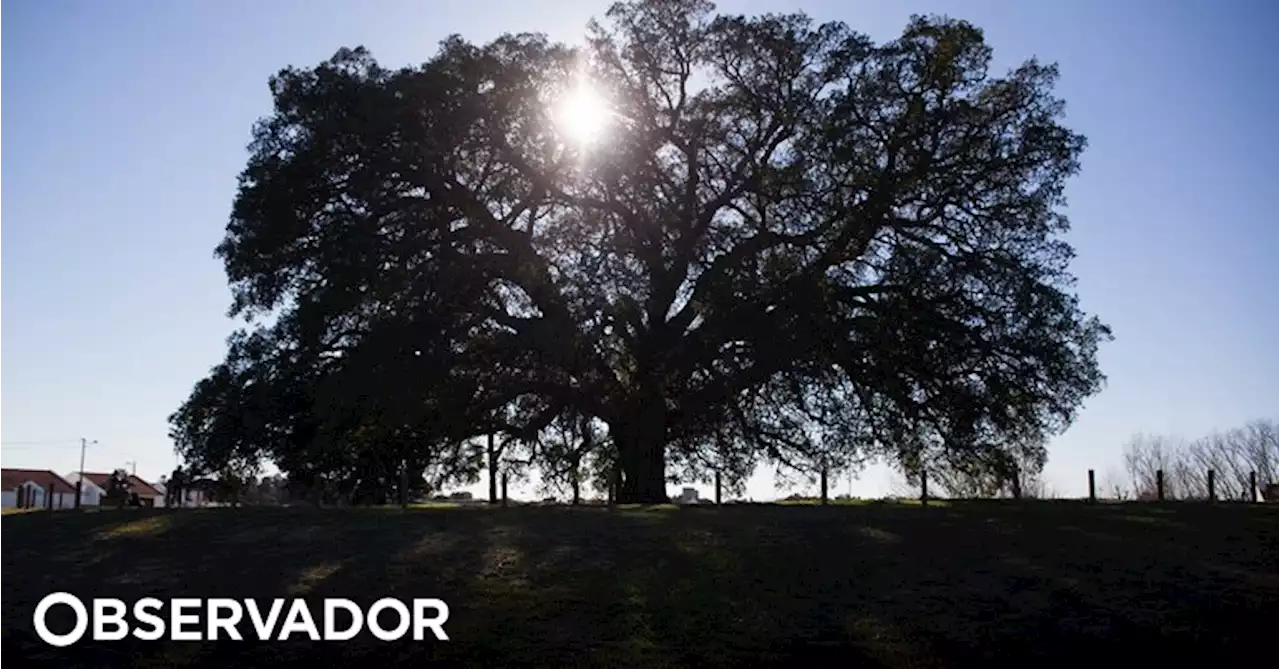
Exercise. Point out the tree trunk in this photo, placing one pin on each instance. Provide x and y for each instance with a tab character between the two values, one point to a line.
615	482
824	484
645	479
643	456
717	486
585	433
493	472
504	488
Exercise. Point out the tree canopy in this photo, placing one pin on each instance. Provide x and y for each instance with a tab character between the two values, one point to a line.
788	244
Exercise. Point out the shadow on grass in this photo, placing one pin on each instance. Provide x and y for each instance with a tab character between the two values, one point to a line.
870	585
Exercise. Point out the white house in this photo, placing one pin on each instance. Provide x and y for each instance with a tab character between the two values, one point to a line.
25	495
191	498
35	489
91	493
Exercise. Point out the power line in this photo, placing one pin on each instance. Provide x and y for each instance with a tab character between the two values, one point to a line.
44	449
38	442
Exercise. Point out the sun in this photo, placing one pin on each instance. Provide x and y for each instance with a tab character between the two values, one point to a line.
583	116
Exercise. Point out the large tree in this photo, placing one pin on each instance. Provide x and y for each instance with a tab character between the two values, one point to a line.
786	240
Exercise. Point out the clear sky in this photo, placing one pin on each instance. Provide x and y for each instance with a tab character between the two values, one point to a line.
128	120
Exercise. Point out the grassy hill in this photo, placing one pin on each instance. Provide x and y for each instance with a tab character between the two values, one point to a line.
863	585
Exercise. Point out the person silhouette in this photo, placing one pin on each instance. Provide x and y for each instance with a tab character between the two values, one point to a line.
174	491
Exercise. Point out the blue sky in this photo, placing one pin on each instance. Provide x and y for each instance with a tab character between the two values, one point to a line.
128	120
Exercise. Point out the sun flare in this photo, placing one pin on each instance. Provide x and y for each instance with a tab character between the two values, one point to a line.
583	116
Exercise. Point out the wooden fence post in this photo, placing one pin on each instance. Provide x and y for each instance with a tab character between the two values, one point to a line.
924	488
1253	487
404	483
1160	485
1093	492
1211	495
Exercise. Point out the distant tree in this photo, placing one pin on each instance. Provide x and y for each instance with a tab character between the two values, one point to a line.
603	471
562	451
723	464
820	470
1113	484
792	236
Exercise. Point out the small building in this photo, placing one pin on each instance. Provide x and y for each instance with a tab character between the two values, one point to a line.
35	489
161	488
91	494
688	496
147	494
196	494
200	492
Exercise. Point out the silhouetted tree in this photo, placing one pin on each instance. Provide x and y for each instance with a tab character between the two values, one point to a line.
1013	470
792	236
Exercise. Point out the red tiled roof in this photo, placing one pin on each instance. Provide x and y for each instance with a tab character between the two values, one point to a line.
143	488
97	479
10	479
136	484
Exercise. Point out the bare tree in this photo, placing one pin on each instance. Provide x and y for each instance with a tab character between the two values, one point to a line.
1115	485
1147	454
1262	449
1219	452
1232	455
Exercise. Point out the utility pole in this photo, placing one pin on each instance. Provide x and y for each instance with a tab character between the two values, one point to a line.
80	479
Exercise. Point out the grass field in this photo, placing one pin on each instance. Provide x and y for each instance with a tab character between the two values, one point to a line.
859	585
